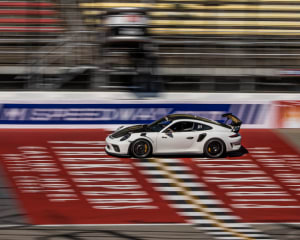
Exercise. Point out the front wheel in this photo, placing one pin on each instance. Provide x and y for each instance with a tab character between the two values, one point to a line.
214	148
141	148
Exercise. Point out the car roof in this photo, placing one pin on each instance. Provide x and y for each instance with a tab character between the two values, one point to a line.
193	117
187	116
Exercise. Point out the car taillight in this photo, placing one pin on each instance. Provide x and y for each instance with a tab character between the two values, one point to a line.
234	135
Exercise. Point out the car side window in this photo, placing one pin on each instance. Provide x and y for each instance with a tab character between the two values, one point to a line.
182	127
201	127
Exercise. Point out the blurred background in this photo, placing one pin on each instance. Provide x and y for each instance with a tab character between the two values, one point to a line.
88	49
150	46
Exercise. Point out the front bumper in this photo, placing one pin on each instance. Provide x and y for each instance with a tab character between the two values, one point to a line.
116	147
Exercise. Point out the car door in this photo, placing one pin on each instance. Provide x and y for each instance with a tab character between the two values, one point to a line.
179	137
203	132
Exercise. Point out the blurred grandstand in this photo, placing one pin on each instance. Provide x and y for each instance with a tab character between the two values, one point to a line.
196	45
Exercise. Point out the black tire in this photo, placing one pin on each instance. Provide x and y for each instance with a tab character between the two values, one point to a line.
214	148
141	148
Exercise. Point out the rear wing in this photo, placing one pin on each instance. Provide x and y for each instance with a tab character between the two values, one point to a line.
235	123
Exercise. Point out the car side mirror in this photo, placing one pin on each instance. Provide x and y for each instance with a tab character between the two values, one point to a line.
169	132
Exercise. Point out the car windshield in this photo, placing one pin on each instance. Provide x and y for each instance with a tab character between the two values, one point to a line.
159	124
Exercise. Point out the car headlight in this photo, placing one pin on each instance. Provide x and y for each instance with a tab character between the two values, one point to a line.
125	137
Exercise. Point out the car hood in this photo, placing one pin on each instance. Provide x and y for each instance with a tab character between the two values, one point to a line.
132	129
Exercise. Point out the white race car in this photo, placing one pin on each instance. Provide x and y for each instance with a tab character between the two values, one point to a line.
177	134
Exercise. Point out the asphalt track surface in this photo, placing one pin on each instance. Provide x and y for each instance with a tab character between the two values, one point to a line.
60	184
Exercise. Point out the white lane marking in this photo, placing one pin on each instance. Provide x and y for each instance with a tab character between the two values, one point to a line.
78	147
189	206
168	180
223	160
153	172
265	200
193	214
262	152
198	201
170	168
79	142
258	148
194	193
246	230
170	160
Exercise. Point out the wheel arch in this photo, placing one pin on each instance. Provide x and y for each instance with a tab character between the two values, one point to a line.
215	138
150	141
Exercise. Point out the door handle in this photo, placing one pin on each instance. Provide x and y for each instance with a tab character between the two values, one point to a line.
189	137
163	137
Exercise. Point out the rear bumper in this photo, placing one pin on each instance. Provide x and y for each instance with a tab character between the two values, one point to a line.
234	144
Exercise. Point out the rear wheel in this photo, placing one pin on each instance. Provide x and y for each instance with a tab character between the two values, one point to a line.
141	148
214	148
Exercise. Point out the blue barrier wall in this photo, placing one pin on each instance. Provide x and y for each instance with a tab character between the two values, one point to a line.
127	113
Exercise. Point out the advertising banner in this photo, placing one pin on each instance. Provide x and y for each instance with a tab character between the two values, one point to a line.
288	114
252	115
